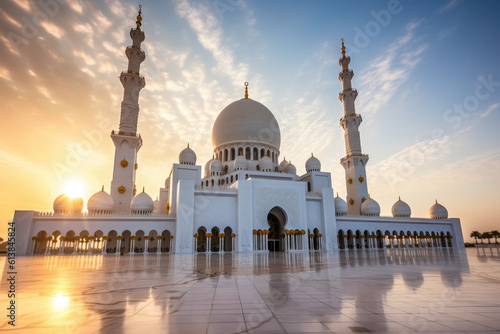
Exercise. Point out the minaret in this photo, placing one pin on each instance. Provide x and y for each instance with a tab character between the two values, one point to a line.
127	141
354	162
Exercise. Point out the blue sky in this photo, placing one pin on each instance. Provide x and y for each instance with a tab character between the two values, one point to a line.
427	74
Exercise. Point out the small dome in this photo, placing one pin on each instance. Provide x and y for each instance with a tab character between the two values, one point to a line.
283	164
187	157
290	169
216	166
370	207
100	202
437	211
142	203
401	209
207	167
266	164
64	204
241	163
313	164
340	206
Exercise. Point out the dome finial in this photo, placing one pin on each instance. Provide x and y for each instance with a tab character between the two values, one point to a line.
337	194
246	90
102	188
188	145
399	198
343	48
312	155
139	18
436	201
143	189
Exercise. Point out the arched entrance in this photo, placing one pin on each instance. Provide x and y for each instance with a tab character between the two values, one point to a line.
276	218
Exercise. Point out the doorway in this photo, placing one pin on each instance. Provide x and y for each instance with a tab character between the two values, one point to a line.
276	218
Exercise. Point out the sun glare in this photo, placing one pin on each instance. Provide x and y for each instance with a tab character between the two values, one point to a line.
60	301
74	189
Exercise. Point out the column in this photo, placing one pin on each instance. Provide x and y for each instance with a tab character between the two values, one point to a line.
132	246
383	239
146	244
158	245
104	244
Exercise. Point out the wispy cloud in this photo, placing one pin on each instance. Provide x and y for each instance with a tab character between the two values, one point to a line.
447	32
449	6
488	110
381	80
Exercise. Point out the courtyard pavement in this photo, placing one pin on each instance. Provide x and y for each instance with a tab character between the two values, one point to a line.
355	291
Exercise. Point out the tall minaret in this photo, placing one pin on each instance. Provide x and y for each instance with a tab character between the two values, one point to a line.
354	162
127	141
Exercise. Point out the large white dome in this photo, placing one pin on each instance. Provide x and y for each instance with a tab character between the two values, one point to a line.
100	202
246	120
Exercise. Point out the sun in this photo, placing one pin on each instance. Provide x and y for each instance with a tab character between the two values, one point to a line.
74	188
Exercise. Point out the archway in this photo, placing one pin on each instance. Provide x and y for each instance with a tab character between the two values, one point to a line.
276	218
228	239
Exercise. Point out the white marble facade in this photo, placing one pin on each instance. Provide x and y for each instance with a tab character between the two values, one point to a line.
244	199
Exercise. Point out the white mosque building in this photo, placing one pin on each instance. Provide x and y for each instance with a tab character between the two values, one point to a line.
243	200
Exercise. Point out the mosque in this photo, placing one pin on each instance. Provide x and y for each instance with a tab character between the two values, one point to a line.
244	199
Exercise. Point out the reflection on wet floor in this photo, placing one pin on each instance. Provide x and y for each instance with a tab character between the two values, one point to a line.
406	290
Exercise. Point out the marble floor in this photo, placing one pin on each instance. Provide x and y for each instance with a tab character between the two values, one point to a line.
364	291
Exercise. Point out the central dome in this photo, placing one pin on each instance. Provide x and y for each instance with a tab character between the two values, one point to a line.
246	120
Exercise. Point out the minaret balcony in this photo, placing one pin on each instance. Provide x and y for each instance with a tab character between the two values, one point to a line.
132	49
348	92
346	74
129	73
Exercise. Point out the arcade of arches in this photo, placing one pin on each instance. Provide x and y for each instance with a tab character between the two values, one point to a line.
358	240
98	243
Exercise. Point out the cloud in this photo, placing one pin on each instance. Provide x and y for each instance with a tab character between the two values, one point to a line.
488	111
449	6
381	80
207	28
447	32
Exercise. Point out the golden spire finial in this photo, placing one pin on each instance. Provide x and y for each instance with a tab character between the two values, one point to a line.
188	145
246	90
337	194
436	201
139	18
102	188
143	189
343	48
312	155
399	198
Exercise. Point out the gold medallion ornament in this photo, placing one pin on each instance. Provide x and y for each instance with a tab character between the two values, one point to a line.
136	166
361	179
121	189
124	163
351	201
349	180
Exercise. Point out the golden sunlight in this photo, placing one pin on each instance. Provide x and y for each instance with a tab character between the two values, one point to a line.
74	188
60	301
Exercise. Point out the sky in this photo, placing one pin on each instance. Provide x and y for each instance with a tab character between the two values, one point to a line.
427	73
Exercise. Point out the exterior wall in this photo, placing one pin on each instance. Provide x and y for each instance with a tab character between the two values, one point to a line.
314	216
182	172
215	209
185	216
